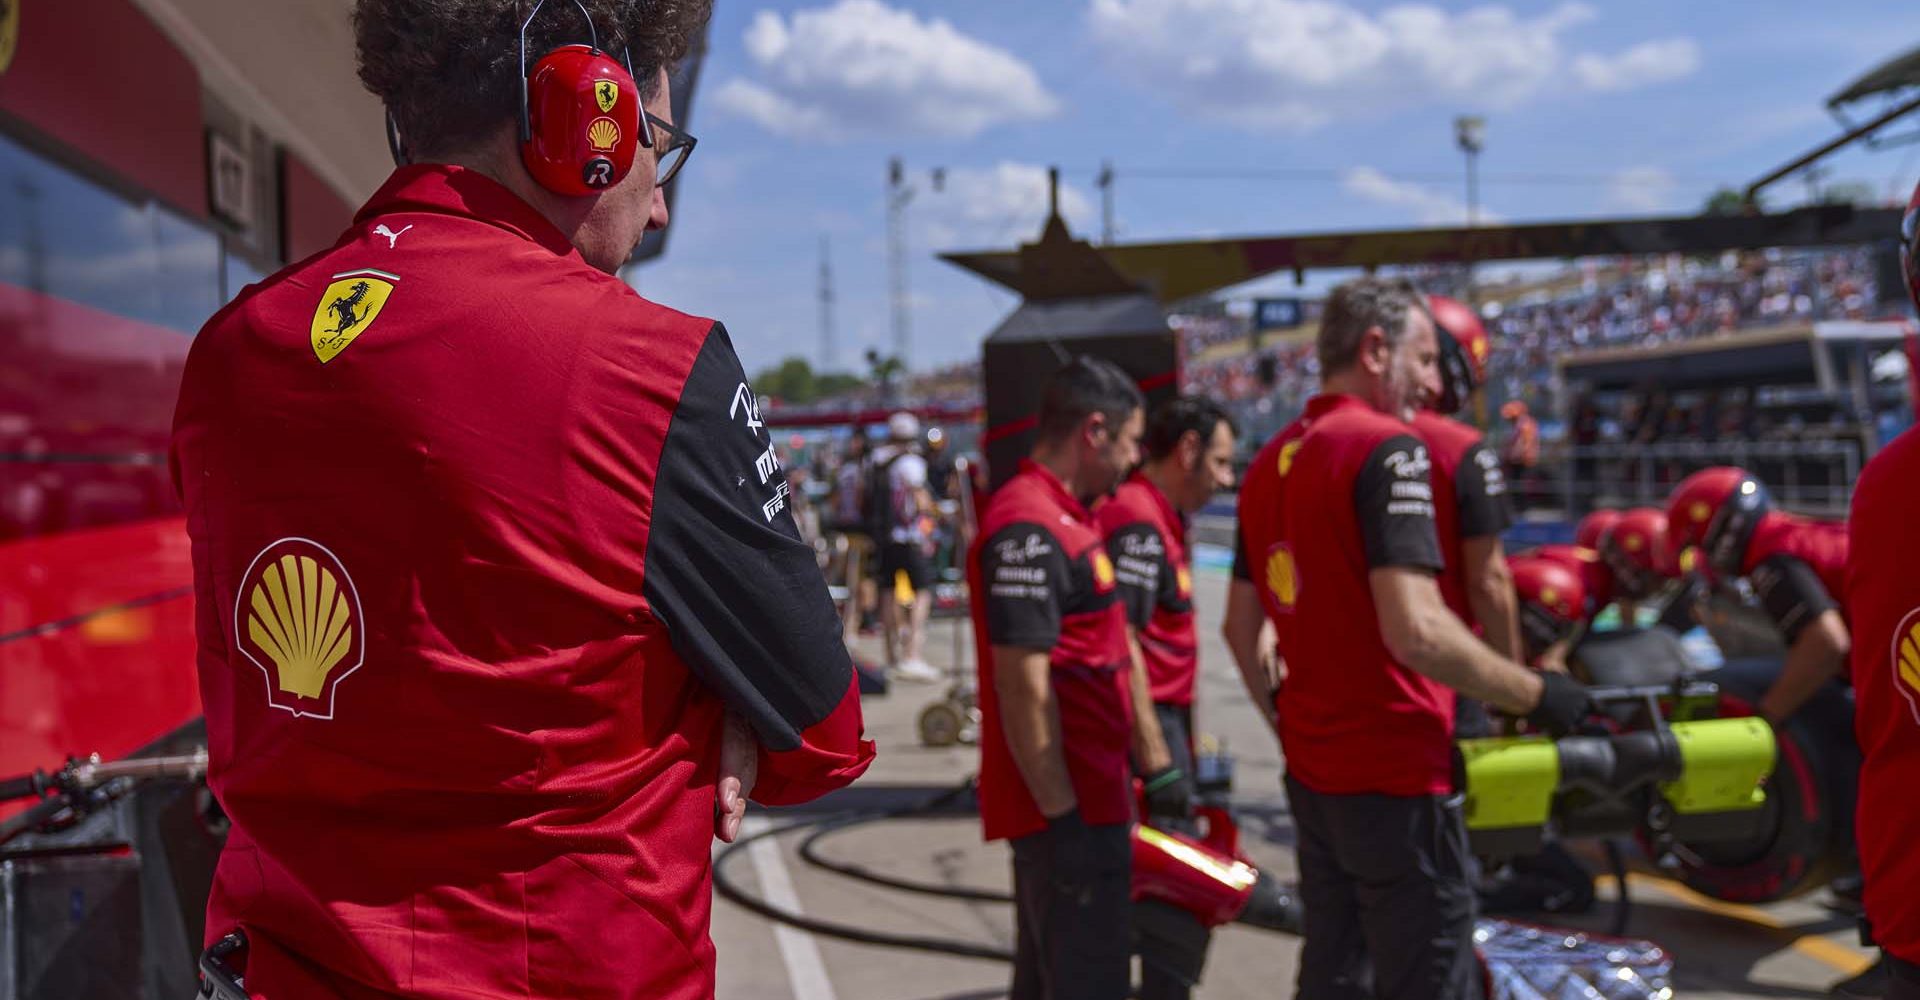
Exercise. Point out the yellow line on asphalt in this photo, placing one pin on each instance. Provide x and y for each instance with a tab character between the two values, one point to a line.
1848	961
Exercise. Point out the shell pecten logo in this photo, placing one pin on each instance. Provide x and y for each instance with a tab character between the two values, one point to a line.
1102	571
603	134
1282	583
1906	661
1287	452
297	617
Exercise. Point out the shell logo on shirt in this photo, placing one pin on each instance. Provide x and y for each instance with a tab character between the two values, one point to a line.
348	308
1183	580
1282	583
1102	571
1286	456
1906	661
297	617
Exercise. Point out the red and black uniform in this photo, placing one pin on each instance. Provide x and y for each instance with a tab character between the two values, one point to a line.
1369	742
1469	497
1042	580
1798	568
1147	541
1469	501
456	502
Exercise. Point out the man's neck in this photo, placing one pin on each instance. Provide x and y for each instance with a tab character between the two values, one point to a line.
499	160
1164	475
1349	381
1065	467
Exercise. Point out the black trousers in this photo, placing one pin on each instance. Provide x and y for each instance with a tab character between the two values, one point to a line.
1172	944
1071	918
1904	981
1384	885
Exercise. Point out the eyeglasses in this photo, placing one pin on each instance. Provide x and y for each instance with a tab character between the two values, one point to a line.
671	152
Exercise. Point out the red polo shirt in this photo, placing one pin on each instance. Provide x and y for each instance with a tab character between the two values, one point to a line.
1041	579
1147	541
1352	719
1469	498
1883	607
1260	552
456	501
1798	569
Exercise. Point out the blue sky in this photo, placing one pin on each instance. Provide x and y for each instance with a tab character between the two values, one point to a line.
1634	107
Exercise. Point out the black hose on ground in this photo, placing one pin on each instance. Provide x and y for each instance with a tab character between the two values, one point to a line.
809	851
730	890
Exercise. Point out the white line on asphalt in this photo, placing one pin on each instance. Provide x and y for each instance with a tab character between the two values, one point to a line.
805	970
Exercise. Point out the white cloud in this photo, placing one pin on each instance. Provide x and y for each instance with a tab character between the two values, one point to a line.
861	67
1297	64
1642	189
1427	206
1643	65
993	207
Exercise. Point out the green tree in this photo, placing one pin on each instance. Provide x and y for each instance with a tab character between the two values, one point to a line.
795	381
1727	201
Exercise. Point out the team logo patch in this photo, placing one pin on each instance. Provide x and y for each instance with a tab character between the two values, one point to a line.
603	134
1906	661
605	93
1700	511
297	617
1689	558
1102	571
1287	452
1183	580
347	308
1283	585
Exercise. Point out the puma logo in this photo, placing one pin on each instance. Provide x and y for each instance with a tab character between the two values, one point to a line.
392	237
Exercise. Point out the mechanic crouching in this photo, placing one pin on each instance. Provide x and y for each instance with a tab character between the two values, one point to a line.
1374	661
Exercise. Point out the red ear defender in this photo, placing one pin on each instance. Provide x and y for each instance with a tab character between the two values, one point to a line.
583	121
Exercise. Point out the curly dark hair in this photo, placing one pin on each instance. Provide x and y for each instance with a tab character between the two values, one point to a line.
449	70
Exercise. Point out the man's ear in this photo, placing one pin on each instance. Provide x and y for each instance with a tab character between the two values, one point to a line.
1192	449
1092	427
1374	351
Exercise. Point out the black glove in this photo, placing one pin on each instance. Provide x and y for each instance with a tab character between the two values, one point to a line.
1564	704
1169	793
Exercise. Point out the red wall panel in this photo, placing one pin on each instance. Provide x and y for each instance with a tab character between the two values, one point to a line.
99	77
314	214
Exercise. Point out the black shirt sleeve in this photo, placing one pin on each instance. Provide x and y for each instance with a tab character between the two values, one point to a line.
1393	497
1026	576
742	598
1482	490
1140	569
1242	566
1791	593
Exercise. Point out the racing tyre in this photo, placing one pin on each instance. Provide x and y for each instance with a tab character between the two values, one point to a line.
940	724
1807	832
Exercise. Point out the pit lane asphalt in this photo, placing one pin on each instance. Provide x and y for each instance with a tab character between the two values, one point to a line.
1795	948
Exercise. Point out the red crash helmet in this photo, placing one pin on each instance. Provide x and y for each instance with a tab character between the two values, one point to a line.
1635	549
1463	351
1910	246
1717	511
1594	527
1552	600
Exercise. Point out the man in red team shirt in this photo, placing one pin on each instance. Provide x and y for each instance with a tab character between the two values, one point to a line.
1469	497
1366	713
1189	446
1883	603
1796	565
456	495
1055	674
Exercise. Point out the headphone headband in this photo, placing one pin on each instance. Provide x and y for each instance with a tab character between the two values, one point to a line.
593	37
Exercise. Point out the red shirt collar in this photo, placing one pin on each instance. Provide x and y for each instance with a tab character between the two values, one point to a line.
1168	516
1056	489
449	190
1327	402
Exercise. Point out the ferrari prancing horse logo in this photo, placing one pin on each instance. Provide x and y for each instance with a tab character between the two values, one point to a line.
605	93
347	308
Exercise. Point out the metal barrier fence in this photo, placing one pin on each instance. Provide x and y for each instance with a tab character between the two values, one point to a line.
1813	476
